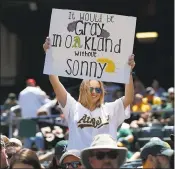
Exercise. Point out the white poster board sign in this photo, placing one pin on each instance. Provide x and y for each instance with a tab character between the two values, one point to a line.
89	45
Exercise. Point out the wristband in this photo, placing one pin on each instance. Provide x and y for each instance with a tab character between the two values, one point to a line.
132	73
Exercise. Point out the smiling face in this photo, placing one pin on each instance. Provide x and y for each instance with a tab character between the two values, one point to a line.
91	93
95	91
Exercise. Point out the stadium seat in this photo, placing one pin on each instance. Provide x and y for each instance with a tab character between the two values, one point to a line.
168	130
27	128
148	132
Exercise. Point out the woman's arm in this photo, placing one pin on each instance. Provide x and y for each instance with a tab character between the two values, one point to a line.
129	93
60	91
129	88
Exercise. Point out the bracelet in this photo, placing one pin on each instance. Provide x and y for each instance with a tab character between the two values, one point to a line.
132	73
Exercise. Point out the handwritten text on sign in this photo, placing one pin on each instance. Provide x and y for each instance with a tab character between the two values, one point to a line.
90	45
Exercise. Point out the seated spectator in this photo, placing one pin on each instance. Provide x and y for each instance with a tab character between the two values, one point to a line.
171	97
125	133
13	147
139	105
156	154
25	158
143	121
167	112
171	92
3	156
125	138
10	102
16	143
152	99
103	153
158	90
71	159
60	149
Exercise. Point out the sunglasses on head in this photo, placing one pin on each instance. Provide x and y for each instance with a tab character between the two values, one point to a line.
74	164
12	145
110	155
97	89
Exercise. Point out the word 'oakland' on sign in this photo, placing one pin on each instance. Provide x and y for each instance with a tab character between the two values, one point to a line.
89	45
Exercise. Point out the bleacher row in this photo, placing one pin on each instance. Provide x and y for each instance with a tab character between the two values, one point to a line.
143	135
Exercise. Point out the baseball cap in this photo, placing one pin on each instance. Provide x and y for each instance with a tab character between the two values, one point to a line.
171	90
150	90
31	82
12	95
60	148
156	147
72	152
15	142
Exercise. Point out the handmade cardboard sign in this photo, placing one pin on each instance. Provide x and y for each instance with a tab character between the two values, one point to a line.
89	45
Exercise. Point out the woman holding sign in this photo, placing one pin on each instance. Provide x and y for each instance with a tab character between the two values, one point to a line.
89	116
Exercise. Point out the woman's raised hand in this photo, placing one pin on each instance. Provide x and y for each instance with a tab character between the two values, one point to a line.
131	61
46	45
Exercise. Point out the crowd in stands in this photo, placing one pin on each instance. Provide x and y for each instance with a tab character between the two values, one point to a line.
102	153
137	143
102	129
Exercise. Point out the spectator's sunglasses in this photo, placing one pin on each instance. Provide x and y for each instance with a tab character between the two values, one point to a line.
100	155
97	89
74	164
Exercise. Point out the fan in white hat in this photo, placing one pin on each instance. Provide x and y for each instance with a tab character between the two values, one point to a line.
103	153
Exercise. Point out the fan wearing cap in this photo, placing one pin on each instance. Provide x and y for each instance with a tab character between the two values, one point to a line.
156	154
171	92
171	97
13	147
103	153
152	99
60	149
71	159
10	102
31	99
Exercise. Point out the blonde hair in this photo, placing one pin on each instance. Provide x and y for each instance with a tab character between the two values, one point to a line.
84	96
